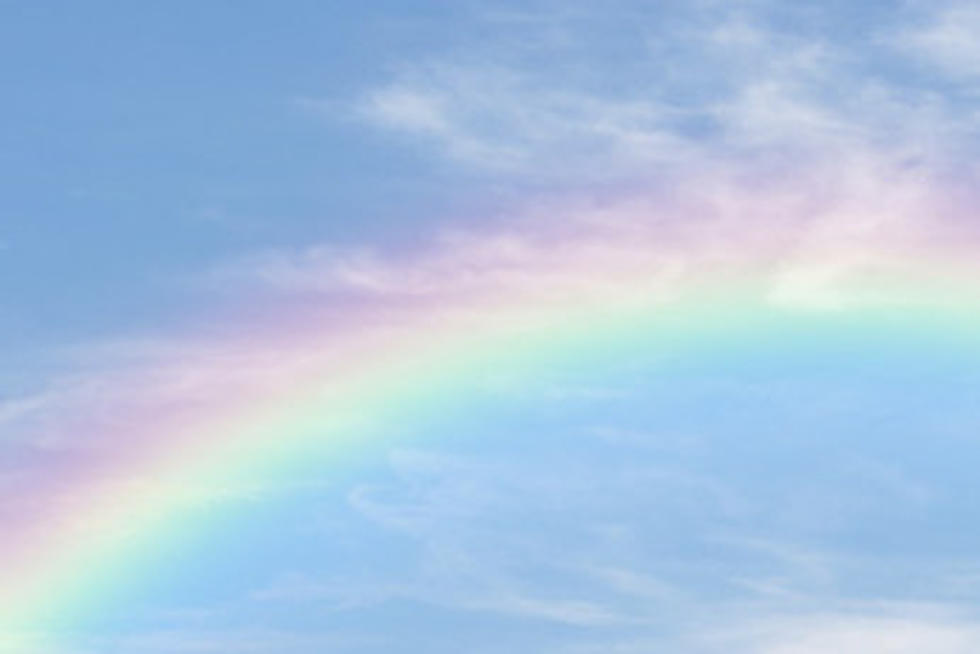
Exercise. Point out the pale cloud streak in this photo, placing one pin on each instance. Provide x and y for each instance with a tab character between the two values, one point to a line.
735	86
788	164
858	632
508	121
735	144
943	36
825	236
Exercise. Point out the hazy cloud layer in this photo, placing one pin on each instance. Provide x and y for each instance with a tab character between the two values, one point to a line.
824	154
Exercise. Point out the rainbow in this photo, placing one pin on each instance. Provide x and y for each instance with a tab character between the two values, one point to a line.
244	411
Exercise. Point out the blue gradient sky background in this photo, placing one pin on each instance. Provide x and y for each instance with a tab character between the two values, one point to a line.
178	167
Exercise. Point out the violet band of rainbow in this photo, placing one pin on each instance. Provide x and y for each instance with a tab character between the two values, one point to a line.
55	566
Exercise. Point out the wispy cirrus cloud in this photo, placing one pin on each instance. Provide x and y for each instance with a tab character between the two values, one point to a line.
709	125
735	146
690	92
895	631
943	37
819	236
508	121
591	569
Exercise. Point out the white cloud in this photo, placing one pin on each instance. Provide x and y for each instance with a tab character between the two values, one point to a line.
854	633
946	37
509	121
826	236
791	167
704	90
735	137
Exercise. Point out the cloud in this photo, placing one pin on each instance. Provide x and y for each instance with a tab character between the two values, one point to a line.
857	633
734	140
826	236
734	88
945	37
558	541
508	121
479	554
723	149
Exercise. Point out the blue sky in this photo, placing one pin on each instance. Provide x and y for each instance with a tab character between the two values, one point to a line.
145	143
173	168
